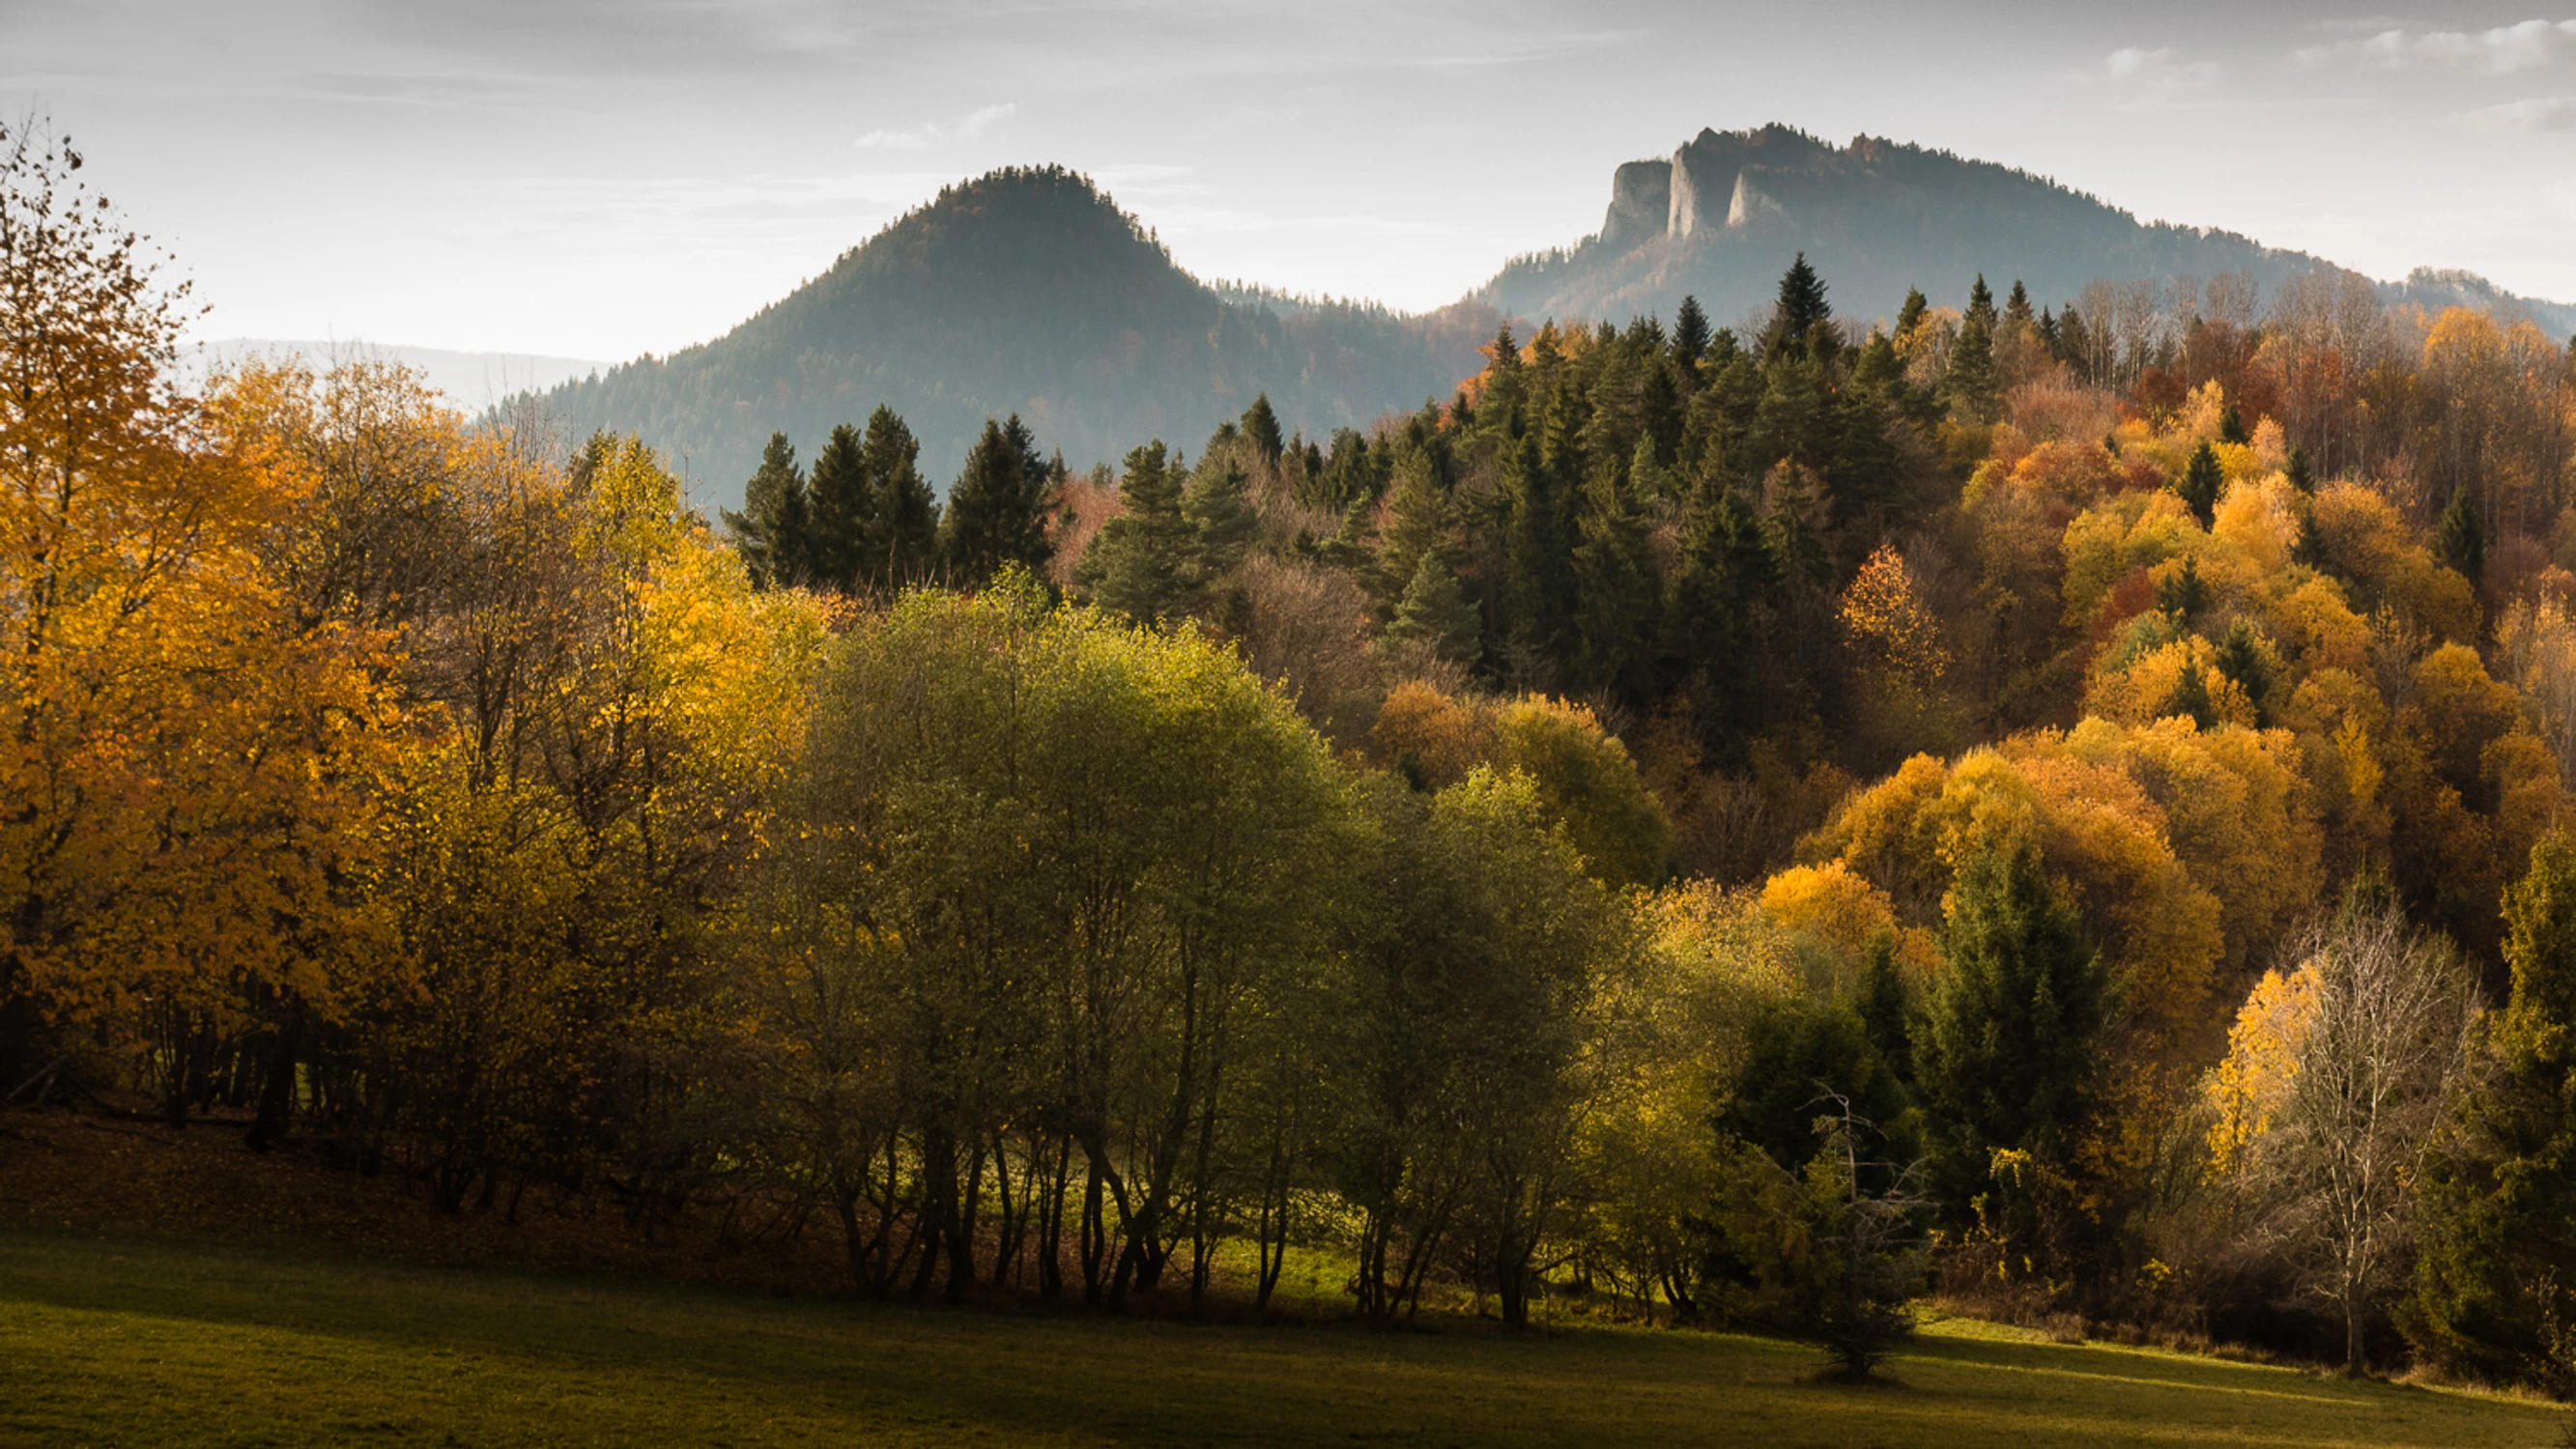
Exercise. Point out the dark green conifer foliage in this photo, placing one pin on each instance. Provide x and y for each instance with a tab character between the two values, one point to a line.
1690	337
2182	594
2240	659
1910	316
1536	552
2017	306
2010	1052
1140	564
770	531
902	547
1794	1053
998	509
1437	612
1616	595
2190	700
1261	426
1886	1008
1802	318
843	508
2200	483
2460	540
1417	523
1971	386
2495	1286
1220	520
2231	425
2301	472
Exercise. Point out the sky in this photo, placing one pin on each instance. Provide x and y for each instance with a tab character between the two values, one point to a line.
601	178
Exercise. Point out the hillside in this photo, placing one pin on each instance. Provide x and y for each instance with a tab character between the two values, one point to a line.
1726	212
1024	291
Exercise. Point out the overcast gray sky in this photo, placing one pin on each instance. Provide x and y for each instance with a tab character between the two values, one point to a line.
598	178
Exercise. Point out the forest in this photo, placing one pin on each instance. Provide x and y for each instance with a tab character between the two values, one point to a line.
2056	807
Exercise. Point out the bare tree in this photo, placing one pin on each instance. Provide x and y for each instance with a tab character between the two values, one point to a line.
2385	1031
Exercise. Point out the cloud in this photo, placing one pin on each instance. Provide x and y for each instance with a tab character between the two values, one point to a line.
2541	113
2530	45
978	122
2160	72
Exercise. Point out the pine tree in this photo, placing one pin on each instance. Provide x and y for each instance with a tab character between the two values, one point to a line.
1971	386
1436	612
2190	700
2460	540
1417	522
2010	1051
2182	594
902	539
2231	425
998	509
2301	476
2240	659
2495	1286
1141	562
2199	485
1616	596
1801	321
1261	426
843	508
2017	306
769	532
1221	521
1536	552
1910	316
1690	338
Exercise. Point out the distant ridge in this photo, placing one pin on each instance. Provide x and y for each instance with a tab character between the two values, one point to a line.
1723	215
1023	291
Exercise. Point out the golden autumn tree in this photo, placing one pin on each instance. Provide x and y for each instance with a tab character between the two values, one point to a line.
186	766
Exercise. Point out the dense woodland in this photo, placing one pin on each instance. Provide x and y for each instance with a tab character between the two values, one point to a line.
2055	805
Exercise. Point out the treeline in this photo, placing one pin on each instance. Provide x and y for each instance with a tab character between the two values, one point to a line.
1742	829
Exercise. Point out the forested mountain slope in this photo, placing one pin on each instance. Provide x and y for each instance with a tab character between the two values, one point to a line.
1023	291
1726	211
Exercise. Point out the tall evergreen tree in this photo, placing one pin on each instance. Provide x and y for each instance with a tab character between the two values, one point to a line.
2017	306
1616	595
2302	474
2010	1055
1435	611
2200	483
1802	318
1417	522
998	509
1690	338
902	539
1220	519
1141	562
2460	539
1910	316
844	507
1971	386
770	531
1536	553
1261	426
2495	1288
2231	425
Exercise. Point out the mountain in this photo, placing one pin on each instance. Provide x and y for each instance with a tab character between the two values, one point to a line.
472	380
1023	291
1723	216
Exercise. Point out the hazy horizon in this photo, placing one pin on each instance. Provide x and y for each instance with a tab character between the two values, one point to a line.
593	181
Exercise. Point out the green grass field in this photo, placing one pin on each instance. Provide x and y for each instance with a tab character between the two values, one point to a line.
147	1343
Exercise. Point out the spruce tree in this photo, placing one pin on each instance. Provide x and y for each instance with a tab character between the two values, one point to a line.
769	532
2231	425
1800	321
2017	306
1142	561
1436	612
998	509
2495	1285
1910	316
1536	552
1261	426
2182	594
2010	1052
902	540
2190	700
1220	521
1616	596
843	506
2199	485
2460	540
1971	386
2300	473
2240	659
1690	338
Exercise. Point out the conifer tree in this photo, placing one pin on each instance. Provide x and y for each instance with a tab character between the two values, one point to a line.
2495	1287
902	539
1141	562
2231	425
843	508
1971	386
1690	338
2190	700
1910	316
2301	475
1435	611
2240	659
2200	483
770	531
1616	597
2460	539
1536	552
998	509
1801	319
1261	426
1417	522
1220	521
2010	1051
2182	594
2017	306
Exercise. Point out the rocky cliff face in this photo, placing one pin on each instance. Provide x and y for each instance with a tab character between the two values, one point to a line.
1877	217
